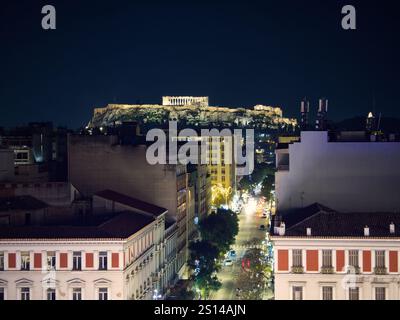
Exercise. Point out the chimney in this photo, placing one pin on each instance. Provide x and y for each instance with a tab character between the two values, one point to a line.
392	228
366	231
308	232
282	229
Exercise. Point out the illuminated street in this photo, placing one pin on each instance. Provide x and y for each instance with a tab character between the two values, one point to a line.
249	223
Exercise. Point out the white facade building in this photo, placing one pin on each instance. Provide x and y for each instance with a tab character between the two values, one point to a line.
338	256
120	253
343	174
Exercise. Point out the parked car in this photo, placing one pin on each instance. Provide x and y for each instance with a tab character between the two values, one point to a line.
232	253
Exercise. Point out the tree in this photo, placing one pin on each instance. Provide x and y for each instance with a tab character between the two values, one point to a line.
204	263
218	233
203	255
261	172
267	186
256	272
220	229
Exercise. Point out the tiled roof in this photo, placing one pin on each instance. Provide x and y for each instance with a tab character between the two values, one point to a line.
21	203
131	202
325	222
117	226
292	217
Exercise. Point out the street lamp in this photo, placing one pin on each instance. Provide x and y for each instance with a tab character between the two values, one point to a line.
156	295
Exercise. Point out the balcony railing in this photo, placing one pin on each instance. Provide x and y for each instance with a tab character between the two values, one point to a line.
297	269
327	270
380	270
353	269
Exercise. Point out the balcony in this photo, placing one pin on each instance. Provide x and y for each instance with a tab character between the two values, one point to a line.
353	270
380	270
327	270
297	269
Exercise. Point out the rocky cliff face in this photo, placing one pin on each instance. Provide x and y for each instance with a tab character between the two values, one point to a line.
190	115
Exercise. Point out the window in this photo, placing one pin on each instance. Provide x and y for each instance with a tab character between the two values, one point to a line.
28	219
76	294
327	258
353	258
327	293
51	294
2	295
380	259
1	261
297	293
51	260
297	258
25	261
103	260
77	261
103	293
354	293
380	293
25	293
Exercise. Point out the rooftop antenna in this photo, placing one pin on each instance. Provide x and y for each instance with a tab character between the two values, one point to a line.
379	121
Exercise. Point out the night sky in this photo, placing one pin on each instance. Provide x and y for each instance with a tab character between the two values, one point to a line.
239	53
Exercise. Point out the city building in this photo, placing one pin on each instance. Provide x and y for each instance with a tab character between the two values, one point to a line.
99	162
55	194
6	164
125	249
22	210
322	254
347	171
199	183
40	152
222	169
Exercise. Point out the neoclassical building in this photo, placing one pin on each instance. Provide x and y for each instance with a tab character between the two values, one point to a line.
124	250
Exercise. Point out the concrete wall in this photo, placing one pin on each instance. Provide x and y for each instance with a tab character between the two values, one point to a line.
53	193
346	176
96	164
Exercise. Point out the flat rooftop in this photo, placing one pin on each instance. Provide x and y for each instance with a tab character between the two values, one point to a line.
116	226
21	203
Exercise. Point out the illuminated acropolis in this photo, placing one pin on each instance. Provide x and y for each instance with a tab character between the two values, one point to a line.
193	110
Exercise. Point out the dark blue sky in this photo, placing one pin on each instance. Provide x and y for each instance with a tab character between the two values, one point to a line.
239	53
